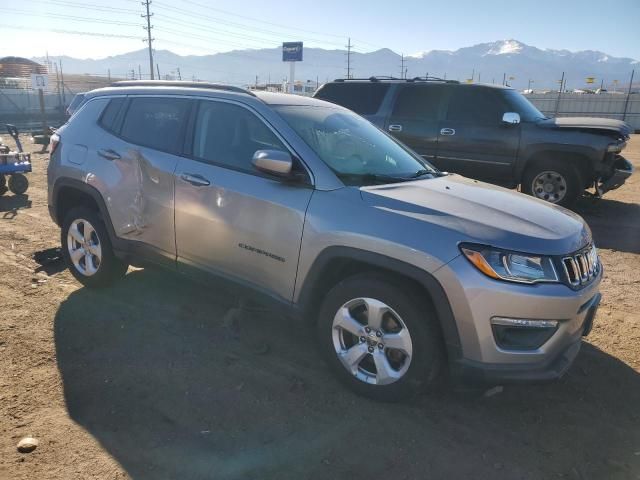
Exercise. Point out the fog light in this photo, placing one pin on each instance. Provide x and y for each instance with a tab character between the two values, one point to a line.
522	334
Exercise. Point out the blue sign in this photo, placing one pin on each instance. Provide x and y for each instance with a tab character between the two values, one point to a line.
292	52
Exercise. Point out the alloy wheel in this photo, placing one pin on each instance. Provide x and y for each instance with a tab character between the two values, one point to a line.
372	341
84	247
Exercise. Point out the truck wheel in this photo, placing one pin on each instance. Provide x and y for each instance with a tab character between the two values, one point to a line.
87	249
553	181
3	185
18	183
379	338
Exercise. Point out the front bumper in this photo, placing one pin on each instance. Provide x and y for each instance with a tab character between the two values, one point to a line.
475	299
622	169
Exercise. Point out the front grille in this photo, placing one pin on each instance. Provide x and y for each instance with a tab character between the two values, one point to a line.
582	267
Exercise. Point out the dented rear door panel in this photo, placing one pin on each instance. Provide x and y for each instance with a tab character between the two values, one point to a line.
137	187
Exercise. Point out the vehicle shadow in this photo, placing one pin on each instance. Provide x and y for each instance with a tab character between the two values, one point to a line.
50	261
176	382
615	225
10	204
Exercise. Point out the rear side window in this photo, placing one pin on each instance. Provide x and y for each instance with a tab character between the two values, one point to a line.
156	122
420	102
474	105
362	98
110	114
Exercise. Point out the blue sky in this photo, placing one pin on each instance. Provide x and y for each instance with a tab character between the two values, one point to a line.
408	26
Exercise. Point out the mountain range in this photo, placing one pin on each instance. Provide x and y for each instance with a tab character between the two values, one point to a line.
486	62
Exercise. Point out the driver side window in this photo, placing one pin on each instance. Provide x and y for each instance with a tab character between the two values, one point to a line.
228	135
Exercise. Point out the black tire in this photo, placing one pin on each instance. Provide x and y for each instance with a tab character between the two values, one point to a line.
427	359
570	174
3	185
110	267
18	183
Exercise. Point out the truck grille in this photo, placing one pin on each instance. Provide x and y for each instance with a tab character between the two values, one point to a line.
582	267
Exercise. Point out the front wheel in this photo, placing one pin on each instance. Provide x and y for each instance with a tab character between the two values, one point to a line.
554	182
380	338
87	249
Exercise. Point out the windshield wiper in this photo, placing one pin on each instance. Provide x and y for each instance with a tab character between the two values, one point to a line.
422	173
374	177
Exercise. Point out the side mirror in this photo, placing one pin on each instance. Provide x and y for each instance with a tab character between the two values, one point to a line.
275	162
511	118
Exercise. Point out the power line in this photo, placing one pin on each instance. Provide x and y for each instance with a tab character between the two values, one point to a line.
70	32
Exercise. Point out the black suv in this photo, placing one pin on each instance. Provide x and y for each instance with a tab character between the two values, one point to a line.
492	133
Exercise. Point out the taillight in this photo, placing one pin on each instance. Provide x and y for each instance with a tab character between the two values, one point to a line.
54	141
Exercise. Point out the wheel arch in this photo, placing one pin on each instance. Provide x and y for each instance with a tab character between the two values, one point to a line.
69	193
583	158
336	263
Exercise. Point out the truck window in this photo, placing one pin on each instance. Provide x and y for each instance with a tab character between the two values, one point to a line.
363	98
474	105
419	102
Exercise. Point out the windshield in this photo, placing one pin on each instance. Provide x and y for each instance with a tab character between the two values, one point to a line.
357	151
519	104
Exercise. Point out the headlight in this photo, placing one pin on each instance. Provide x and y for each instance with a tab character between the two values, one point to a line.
510	266
616	147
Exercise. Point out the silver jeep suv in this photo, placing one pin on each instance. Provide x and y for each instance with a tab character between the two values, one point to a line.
405	270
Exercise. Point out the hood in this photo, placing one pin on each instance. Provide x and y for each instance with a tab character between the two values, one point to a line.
485	214
588	123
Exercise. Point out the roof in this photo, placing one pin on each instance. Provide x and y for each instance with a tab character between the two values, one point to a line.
204	88
11	67
272	98
416	81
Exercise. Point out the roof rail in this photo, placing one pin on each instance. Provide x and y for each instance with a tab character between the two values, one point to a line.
180	83
384	77
431	79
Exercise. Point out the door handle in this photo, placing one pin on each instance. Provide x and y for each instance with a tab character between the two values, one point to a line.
195	179
447	131
109	154
395	128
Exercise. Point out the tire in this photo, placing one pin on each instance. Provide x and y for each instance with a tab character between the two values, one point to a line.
564	180
96	265
404	376
18	183
3	185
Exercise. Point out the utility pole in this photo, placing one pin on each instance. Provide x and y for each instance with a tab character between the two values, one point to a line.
349	47
626	103
473	74
504	78
58	87
149	40
179	74
158	70
559	95
64	98
403	72
109	74
139	72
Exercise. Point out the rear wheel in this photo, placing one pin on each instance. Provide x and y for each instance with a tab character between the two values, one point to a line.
553	181
18	183
87	249
380	338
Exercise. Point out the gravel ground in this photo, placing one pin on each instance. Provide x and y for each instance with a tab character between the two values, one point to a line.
161	378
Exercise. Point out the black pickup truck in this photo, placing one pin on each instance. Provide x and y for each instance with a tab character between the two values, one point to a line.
492	133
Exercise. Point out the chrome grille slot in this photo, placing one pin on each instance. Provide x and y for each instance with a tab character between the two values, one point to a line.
581	267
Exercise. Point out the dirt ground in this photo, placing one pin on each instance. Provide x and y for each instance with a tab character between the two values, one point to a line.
154	379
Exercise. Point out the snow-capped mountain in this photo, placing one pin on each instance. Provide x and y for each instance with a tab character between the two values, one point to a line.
487	62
